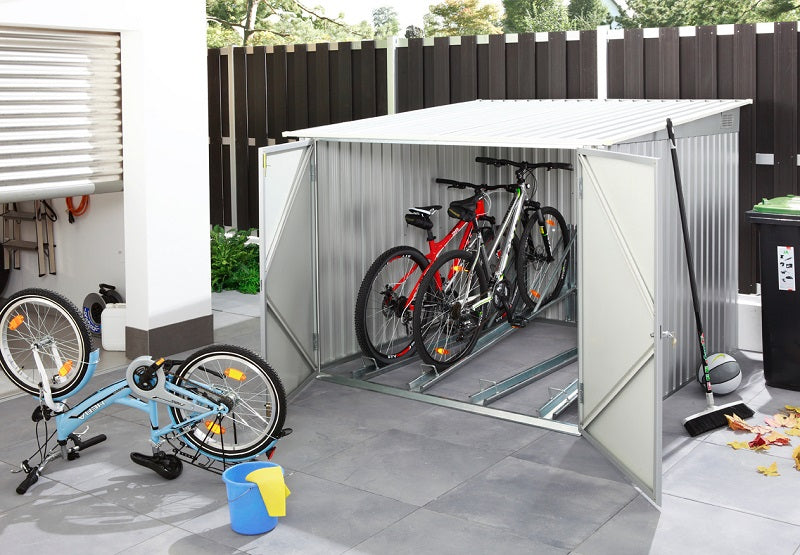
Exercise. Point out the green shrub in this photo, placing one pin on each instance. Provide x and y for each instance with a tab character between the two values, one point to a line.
234	264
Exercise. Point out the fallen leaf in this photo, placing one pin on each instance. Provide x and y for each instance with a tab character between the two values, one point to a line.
739	444
785	420
771	470
771	422
796	457
793	432
759	443
793	409
776	438
760	429
736	423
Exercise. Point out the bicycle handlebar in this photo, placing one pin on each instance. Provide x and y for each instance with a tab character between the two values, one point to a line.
477	188
498	162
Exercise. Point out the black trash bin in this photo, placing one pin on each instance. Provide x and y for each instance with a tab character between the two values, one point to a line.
778	223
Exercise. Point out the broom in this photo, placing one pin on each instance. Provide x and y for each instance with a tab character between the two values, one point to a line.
713	416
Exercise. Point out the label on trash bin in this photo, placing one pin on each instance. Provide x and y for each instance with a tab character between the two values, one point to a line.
786	268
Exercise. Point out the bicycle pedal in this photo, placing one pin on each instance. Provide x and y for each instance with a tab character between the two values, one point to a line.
517	322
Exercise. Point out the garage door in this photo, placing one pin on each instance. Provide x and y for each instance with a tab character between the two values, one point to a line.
620	397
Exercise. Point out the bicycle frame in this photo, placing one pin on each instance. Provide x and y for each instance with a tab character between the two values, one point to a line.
69	420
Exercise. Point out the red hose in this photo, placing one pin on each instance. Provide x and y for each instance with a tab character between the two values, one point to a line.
83	206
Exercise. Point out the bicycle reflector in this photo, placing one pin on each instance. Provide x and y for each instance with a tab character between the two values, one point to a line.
214	427
235	374
65	368
535	294
458	268
16	322
551	223
442	351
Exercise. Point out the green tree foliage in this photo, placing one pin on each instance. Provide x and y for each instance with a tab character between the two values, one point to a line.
674	13
587	14
385	22
243	22
462	17
523	16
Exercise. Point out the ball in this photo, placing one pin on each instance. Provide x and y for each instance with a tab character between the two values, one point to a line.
724	371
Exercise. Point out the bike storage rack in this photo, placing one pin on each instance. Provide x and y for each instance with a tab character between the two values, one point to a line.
490	391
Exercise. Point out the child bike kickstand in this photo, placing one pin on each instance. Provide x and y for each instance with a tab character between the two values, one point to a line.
225	404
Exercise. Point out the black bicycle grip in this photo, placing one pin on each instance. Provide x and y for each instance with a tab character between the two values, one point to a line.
85	444
30	479
451	182
563	166
491	161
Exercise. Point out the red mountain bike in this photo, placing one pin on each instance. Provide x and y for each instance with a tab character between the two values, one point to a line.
385	299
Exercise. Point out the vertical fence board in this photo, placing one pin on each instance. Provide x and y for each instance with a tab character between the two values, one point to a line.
497	67
670	58
241	135
744	86
256	95
706	62
277	121
381	82
765	140
512	73
725	66
483	70
216	191
557	71
542	70
615	68
785	129
441	71
652	68
587	64
402	80
688	67
467	70
319	78
634	64
297	86
573	69
342	83
526	66
415	76
364	93
428	76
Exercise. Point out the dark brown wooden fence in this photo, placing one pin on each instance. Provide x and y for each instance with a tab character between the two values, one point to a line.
280	88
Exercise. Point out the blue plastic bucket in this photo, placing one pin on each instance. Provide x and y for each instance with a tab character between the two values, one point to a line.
248	513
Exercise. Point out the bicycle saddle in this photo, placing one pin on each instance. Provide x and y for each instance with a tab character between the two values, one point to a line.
420	216
425	210
464	209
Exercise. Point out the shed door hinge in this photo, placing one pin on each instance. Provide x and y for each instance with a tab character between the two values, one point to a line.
315	341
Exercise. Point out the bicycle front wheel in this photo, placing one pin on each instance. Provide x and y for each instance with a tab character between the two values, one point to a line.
446	322
41	330
383	314
540	277
253	391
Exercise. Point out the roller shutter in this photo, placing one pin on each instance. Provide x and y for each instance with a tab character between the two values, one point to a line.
60	114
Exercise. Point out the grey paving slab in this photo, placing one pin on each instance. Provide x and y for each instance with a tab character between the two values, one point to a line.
554	506
177	541
470	430
426	531
629	532
675	447
61	519
719	475
407	467
322	517
570	453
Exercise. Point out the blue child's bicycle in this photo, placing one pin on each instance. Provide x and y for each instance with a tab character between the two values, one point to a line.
225	404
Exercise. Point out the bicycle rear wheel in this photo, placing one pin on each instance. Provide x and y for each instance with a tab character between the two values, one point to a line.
382	321
538	277
446	327
253	391
44	325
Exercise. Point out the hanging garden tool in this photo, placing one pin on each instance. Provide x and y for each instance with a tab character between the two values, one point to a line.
81	209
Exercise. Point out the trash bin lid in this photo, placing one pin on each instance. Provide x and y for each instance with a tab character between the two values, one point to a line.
790	204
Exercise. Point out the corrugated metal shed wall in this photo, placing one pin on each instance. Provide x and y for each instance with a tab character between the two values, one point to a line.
709	174
364	190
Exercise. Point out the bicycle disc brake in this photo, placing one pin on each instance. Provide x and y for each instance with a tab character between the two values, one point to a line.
151	386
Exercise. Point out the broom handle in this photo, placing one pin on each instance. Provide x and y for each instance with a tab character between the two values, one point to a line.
689	259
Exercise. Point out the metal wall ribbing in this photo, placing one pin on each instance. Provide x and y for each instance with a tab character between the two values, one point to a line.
710	185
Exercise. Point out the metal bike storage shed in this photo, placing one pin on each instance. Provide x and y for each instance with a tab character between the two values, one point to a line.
333	200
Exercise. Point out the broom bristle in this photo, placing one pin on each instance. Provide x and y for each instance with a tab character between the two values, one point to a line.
713	418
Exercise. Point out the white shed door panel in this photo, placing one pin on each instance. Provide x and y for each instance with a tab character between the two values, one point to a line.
620	404
288	261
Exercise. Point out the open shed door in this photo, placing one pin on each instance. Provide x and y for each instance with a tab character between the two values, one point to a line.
620	386
288	269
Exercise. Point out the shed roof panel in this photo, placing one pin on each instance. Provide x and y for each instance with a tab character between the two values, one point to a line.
524	123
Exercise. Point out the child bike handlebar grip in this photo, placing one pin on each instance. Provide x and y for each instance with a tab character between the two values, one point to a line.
32	478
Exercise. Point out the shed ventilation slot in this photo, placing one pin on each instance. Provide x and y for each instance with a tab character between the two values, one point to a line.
727	121
60	114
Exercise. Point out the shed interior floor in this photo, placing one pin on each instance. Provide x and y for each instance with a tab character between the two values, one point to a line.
514	353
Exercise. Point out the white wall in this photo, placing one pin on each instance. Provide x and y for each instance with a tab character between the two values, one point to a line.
163	264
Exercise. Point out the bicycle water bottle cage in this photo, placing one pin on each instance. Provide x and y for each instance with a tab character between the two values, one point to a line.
464	209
